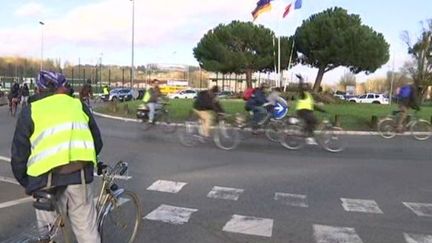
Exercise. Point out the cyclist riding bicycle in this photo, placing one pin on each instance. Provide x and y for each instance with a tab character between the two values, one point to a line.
106	92
407	100
14	94
25	93
86	93
256	104
205	105
151	98
305	110
55	151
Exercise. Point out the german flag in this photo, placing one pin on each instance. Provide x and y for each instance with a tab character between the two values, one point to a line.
262	7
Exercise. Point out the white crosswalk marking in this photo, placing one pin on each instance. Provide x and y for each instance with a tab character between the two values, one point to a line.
249	226
166	186
331	234
420	209
225	193
360	205
295	200
416	238
171	214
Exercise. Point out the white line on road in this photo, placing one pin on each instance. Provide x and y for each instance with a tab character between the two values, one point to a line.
331	234
8	180
360	205
295	200
249	226
420	209
225	193
166	186
15	202
5	159
171	214
416	238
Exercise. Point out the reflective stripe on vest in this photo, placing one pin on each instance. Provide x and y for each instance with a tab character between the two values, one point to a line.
61	134
60	128
305	104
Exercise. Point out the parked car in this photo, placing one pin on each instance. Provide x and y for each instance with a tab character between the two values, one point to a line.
371	98
121	94
339	96
225	94
184	94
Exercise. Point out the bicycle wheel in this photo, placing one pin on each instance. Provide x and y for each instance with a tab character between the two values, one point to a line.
292	137
421	130
225	136
387	128
166	124
330	140
188	135
122	219
273	130
14	108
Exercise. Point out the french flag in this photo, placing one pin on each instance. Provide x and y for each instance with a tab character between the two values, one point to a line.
297	5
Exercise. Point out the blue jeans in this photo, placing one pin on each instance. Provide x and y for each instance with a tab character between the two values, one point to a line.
259	113
152	110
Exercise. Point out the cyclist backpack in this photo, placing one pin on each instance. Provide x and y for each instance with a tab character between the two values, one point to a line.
247	94
405	92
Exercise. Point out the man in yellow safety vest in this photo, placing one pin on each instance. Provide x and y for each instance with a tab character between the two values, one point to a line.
54	149
305	108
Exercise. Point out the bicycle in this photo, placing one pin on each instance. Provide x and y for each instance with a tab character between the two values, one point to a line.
327	135
162	117
13	106
110	205
224	135
271	126
420	129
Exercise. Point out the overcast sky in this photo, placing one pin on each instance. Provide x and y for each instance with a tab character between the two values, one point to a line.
167	30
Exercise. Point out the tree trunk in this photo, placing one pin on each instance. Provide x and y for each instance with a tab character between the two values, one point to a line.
318	79
249	78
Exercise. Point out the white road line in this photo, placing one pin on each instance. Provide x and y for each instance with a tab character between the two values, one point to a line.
420	209
416	238
225	193
249	226
5	159
331	234
171	214
295	200
166	186
15	202
360	206
8	180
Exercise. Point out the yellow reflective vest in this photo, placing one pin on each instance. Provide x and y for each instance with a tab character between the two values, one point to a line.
105	91
61	134
307	103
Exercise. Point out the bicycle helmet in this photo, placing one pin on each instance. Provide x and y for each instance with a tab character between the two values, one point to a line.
47	80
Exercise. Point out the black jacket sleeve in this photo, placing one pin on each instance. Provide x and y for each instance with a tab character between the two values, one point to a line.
21	146
97	138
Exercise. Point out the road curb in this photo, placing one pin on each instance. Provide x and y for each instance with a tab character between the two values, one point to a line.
116	117
356	133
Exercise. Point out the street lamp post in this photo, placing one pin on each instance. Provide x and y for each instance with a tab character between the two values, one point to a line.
42	43
133	43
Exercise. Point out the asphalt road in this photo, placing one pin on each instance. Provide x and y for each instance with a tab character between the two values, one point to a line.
375	191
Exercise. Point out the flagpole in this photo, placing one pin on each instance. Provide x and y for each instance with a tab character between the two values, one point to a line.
279	62
290	60
274	55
